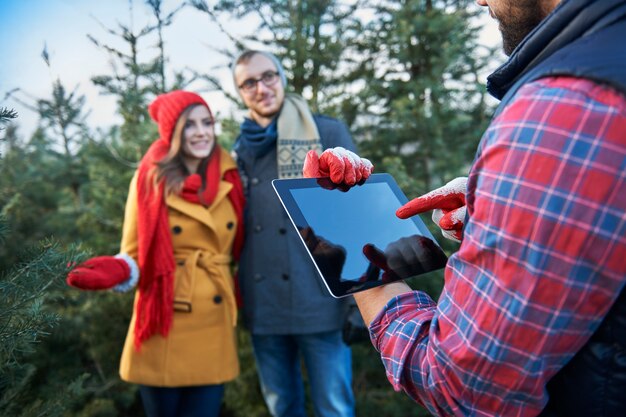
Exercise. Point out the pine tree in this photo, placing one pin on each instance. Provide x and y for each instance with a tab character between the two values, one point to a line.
420	110
41	179
405	76
312	39
423	106
26	284
134	82
405	79
326	55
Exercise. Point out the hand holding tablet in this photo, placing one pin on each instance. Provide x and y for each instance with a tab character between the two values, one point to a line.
338	164
354	250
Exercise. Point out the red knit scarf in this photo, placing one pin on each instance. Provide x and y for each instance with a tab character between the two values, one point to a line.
155	305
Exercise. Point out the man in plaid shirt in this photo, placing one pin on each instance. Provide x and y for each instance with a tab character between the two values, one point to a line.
532	317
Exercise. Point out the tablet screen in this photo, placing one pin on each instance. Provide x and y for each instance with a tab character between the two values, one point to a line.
353	235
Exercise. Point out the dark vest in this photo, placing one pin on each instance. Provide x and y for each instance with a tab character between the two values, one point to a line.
585	39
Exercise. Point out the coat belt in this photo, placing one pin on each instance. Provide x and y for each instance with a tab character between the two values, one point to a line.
210	262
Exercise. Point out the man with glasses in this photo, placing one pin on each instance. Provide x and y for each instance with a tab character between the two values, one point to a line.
288	312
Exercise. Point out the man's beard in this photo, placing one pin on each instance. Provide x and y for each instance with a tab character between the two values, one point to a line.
518	22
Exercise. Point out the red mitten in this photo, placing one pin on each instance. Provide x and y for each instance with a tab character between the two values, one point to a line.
448	203
339	164
103	273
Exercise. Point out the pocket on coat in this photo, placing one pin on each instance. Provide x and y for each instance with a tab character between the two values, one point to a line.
183	287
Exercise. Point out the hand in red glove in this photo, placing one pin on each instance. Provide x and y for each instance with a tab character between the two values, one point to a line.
448	203
341	165
119	273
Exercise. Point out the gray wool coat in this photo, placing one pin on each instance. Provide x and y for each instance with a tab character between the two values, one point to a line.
281	289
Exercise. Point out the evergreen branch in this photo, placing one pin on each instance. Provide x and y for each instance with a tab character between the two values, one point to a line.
115	154
166	21
102	25
107	48
146	31
107	385
4	228
202	6
19	100
217	86
13	390
21	303
9	93
6	113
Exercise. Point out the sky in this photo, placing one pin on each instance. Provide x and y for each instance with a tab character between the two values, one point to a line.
61	26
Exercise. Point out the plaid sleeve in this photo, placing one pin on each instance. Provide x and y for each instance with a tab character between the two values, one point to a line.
542	260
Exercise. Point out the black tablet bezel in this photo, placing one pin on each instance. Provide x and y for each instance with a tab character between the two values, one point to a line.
340	288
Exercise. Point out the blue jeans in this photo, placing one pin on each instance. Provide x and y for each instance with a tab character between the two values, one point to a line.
328	362
198	401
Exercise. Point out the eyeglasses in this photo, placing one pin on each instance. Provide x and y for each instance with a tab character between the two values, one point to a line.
268	78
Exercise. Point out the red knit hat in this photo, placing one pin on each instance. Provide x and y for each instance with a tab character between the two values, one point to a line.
166	108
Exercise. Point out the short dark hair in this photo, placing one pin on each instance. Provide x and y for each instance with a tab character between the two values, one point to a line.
247	54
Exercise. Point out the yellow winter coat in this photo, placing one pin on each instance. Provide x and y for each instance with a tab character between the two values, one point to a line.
201	346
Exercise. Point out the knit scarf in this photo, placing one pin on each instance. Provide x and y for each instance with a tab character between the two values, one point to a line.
155	304
297	135
294	132
256	139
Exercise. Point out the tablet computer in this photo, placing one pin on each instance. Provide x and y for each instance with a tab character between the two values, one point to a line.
352	234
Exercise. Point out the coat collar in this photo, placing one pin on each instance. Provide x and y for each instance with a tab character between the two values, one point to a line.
569	21
198	211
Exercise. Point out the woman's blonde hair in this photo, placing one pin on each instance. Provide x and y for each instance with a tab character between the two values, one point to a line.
172	168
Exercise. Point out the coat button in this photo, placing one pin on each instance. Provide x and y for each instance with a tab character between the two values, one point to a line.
230	225
285	277
282	230
258	228
217	299
177	229
258	277
254	181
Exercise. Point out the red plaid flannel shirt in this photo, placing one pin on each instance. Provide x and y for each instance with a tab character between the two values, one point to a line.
542	260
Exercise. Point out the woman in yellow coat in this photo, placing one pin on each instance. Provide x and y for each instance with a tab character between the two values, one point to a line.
182	229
